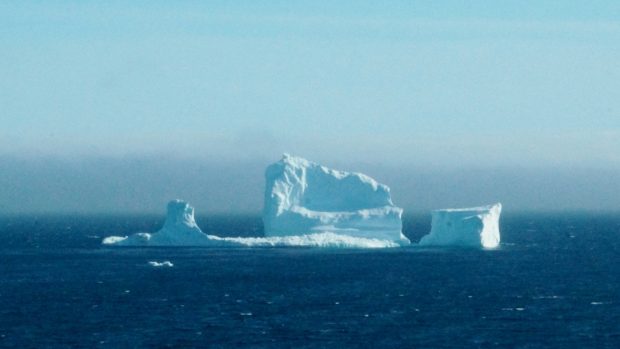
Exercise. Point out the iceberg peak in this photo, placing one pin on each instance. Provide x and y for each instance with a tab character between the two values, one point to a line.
180	214
180	229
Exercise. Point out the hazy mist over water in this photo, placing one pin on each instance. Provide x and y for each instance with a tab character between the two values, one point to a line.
145	184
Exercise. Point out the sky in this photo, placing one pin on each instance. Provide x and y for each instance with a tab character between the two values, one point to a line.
119	106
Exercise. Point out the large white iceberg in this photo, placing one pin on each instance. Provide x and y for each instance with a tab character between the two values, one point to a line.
477	226
302	197
180	229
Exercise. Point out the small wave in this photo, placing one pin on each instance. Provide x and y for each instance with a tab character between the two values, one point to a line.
547	297
513	309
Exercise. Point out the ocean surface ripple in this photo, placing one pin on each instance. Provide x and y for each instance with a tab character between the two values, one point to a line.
554	282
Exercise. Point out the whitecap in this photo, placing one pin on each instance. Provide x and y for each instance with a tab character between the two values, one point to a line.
547	297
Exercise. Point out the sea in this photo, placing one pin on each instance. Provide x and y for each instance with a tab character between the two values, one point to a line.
554	282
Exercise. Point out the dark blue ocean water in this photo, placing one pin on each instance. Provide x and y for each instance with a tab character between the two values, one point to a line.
555	282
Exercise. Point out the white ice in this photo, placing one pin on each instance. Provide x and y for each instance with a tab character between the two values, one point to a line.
477	226
302	197
180	229
161	264
325	239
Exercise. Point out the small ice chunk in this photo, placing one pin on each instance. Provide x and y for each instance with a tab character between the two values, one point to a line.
161	264
111	240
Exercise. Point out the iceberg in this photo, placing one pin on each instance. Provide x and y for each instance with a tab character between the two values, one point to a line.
302	197
180	229
477	226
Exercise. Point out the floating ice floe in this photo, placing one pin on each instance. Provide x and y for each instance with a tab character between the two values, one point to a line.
161	264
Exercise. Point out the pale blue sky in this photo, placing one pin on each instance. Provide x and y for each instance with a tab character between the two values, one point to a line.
404	84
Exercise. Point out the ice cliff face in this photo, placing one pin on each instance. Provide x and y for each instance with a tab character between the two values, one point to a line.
180	229
478	226
302	197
